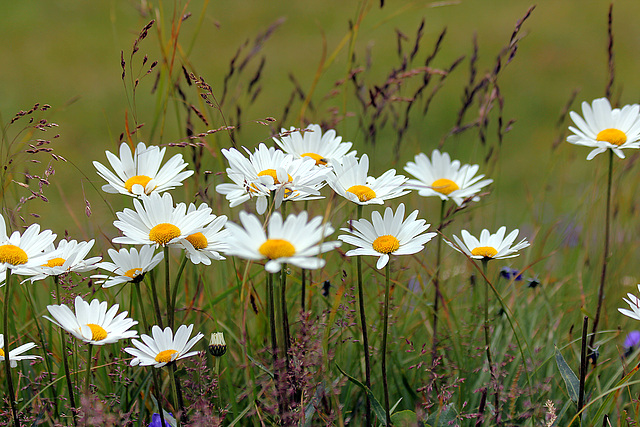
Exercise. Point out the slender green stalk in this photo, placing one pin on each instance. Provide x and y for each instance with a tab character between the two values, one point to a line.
286	334
274	340
385	332
487	337
176	396
303	289
156	304
7	341
65	361
605	256
365	336
176	281
145	324
167	288
436	282
583	363
87	380
156	384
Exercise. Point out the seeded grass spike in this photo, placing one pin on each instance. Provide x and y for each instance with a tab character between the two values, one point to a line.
162	347
350	180
489	246
141	173
128	266
444	178
325	148
92	322
206	245
67	257
157	222
294	241
24	250
605	128
388	235
267	172
16	354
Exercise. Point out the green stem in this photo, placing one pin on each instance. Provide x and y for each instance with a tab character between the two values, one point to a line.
274	340
145	324
365	336
156	384
174	295
156	304
175	387
87	381
167	288
487	337
65	361
385	332
7	341
303	291
436	282
286	334
605	256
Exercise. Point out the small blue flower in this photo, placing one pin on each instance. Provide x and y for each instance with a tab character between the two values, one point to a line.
157	422
631	342
510	273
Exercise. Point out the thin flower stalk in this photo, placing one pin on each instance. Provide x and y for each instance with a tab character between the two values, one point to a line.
87	381
65	359
176	282
487	334
365	336
156	303
167	288
385	332
7	340
436	281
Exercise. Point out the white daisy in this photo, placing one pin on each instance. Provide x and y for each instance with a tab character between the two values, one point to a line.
92	322
443	178
634	304
14	355
391	235
163	348
295	241
141	173
490	246
24	250
268	172
310	142
206	245
604	128
349	179
156	221
128	265
67	257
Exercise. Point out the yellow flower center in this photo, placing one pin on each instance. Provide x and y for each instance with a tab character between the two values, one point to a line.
133	273
484	251
138	179
277	248
97	332
363	192
317	157
198	240
164	233
272	173
11	254
55	262
386	244
444	186
612	136
1	352
165	356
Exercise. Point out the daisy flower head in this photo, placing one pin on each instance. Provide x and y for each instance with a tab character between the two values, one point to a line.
157	222
294	241
163	347
128	266
67	257
388	235
206	245
634	305
92	322
605	128
489	246
24	250
443	178
269	171
140	173
349	179
16	353
324	149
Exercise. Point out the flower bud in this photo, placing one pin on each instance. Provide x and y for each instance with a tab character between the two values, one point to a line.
217	344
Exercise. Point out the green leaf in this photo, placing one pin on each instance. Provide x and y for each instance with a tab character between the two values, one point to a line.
375	405
443	418
569	377
404	419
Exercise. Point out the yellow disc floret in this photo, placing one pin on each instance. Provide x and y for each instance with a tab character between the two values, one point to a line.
386	244
97	332
612	136
164	233
138	179
197	240
1	352
272	173
363	192
444	186
165	356
133	273
55	262
11	254
317	157
277	248
484	251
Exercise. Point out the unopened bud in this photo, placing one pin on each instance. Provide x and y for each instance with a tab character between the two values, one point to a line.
217	345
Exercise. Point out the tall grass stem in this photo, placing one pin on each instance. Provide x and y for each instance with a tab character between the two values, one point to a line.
65	358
